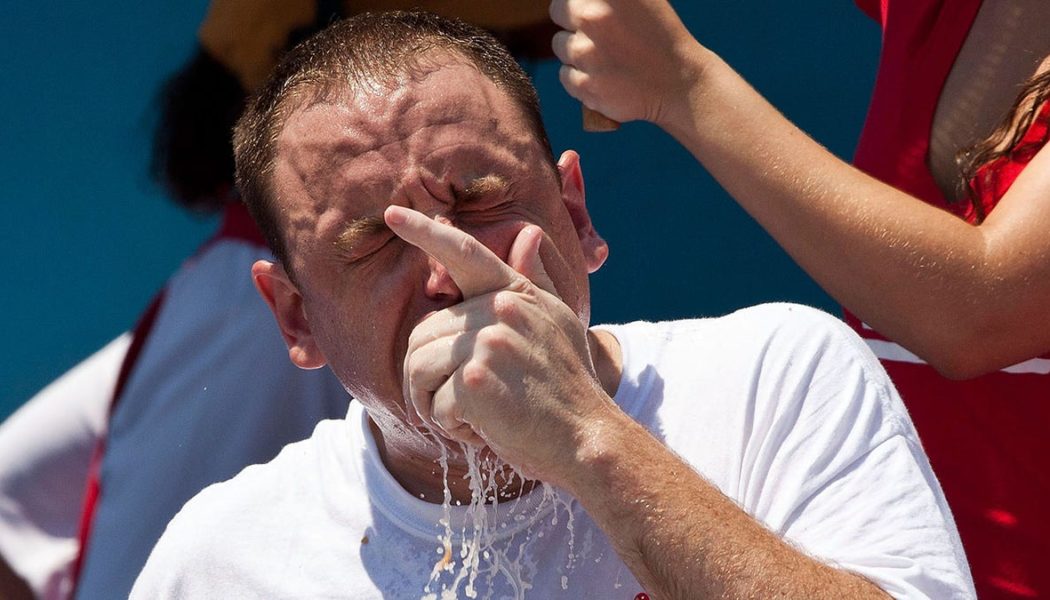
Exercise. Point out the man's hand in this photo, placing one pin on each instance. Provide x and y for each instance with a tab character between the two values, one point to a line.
510	366
628	59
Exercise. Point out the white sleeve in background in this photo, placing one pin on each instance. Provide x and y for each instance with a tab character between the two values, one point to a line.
45	451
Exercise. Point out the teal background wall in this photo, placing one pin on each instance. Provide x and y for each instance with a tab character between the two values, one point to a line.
89	238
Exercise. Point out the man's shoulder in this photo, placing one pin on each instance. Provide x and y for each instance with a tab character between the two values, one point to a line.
263	486
800	328
785	317
236	518
777	357
785	326
793	342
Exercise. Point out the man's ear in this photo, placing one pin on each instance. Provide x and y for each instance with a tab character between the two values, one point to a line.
286	303
595	250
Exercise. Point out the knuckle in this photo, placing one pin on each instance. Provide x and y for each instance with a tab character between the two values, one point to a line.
567	76
474	375
583	52
593	14
468	248
581	81
564	76
505	305
447	422
491	338
425	332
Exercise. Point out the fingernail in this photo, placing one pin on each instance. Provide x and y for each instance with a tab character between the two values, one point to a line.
395	215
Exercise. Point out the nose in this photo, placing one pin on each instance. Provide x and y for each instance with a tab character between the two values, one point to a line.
439	285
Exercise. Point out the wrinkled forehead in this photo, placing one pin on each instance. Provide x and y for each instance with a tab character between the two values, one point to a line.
450	125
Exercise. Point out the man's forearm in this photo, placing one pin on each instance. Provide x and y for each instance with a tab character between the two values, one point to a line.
679	535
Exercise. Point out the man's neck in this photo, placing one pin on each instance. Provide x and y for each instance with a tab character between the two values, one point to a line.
608	359
417	465
418	468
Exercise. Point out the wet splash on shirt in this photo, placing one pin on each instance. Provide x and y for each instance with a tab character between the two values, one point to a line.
484	557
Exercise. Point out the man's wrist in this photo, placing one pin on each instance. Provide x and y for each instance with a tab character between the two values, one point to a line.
599	446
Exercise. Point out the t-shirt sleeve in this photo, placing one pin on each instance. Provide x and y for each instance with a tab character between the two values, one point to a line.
231	540
202	551
180	549
840	469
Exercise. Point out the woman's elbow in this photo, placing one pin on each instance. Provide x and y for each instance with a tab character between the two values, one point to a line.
975	351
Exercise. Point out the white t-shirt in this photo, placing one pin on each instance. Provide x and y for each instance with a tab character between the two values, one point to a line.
781	407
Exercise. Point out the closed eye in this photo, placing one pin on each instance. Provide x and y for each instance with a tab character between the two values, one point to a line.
362	238
483	191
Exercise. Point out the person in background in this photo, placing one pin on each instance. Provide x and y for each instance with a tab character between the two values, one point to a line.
96	464
944	270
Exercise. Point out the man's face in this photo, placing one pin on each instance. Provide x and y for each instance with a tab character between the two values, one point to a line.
452	146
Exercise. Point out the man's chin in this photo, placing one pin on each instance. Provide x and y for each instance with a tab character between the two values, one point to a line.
459	450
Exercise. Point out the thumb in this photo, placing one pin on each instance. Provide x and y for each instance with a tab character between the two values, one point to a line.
525	258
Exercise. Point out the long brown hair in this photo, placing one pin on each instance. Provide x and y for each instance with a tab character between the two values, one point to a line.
1006	138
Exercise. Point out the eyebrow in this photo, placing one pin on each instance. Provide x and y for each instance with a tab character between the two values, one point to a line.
357	229
362	227
481	187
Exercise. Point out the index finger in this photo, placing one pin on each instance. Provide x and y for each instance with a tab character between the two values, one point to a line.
475	269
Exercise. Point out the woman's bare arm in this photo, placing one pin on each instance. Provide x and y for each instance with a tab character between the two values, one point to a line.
968	299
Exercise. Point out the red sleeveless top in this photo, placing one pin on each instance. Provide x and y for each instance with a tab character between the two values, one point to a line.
994	179
987	438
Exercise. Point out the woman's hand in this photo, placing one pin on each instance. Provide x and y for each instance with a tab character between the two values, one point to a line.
628	59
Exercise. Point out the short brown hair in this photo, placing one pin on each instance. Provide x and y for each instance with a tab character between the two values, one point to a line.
365	50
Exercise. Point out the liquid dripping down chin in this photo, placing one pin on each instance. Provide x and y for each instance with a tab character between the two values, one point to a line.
445	563
484	555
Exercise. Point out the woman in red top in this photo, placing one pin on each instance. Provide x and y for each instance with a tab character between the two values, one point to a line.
956	308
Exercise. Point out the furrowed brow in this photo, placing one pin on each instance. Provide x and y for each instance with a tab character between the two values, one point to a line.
358	230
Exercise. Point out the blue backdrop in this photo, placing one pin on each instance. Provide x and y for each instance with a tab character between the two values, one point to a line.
90	239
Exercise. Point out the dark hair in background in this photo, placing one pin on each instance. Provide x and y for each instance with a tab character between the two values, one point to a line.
1005	140
192	152
366	50
192	155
